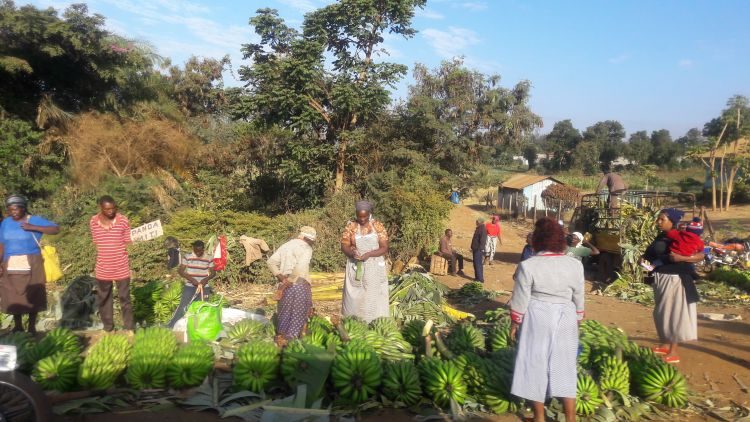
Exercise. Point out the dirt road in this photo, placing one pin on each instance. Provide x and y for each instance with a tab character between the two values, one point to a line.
723	348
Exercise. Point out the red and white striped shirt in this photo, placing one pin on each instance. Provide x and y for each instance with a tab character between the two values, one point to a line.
111	253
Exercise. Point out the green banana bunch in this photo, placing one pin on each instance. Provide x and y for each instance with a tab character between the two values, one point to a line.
248	330
401	383
614	375
153	350
318	323
56	341
587	395
499	336
663	384
333	340
143	298
291	363
256	365
442	381
167	302
354	326
465	338
411	331
105	361
385	326
57	372
356	374
190	365
317	338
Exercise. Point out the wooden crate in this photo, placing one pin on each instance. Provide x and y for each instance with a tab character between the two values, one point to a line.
438	265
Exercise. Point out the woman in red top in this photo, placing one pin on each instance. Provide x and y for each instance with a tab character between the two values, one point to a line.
493	236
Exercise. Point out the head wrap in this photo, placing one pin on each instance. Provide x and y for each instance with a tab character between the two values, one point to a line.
674	215
363	205
495	218
579	236
695	226
480	220
16	199
308	233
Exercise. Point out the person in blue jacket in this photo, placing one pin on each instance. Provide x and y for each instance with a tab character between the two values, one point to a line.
22	279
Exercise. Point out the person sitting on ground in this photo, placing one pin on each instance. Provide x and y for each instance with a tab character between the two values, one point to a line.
448	252
197	269
528	250
578	247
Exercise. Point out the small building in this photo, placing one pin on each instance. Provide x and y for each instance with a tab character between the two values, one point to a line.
522	190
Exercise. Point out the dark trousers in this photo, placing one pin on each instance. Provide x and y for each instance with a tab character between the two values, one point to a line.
478	257
188	292
454	258
104	299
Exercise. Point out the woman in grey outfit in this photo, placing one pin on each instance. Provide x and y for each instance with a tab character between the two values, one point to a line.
546	307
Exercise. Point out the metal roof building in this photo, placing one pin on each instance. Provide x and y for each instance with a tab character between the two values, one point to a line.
523	190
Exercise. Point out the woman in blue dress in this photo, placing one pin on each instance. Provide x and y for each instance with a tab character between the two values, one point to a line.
22	280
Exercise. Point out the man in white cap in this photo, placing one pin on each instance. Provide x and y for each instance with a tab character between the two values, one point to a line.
579	248
290	264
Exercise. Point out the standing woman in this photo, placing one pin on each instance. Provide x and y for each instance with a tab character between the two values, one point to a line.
547	305
365	244
675	294
22	282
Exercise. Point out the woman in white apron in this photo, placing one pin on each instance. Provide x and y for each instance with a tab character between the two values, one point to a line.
365	243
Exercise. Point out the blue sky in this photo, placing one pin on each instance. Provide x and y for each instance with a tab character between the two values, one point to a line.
649	64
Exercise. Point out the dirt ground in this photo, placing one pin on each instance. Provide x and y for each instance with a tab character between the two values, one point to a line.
722	352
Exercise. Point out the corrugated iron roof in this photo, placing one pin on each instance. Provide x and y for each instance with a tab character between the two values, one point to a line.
520	181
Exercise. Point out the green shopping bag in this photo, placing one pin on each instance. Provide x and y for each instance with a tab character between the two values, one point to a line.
203	321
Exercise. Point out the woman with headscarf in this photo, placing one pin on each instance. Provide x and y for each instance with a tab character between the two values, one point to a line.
22	279
365	244
546	306
675	294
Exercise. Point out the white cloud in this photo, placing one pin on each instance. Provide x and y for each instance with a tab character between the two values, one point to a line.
619	59
450	43
429	14
301	5
474	5
685	63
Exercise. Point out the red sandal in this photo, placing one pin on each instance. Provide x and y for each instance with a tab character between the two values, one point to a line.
672	359
660	350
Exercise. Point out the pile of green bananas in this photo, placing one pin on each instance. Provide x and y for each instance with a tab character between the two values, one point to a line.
318	323
144	297
166	301
153	350
614	375
256	365
58	372
443	381
190	365
59	340
662	383
411	331
356	373
401	382
354	327
499	336
465	338
248	330
587	395
104	363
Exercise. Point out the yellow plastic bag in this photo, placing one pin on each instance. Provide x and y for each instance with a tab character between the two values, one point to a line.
52	270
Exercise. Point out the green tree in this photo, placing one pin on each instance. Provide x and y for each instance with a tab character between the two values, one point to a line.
608	136
586	157
70	62
692	139
664	151
198	87
458	116
290	83
530	152
639	148
559	145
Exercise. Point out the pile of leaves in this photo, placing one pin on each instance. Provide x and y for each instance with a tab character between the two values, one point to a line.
732	277
471	294
416	295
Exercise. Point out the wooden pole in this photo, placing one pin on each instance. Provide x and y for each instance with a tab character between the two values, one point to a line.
707	222
534	208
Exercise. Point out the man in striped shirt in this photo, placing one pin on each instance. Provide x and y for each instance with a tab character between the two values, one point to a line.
198	270
110	232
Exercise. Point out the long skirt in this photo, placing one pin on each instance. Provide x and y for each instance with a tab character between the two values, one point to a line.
367	298
675	319
23	293
547	352
294	309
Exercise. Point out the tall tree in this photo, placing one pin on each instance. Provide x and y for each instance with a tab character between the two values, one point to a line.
692	139
292	85
638	149
608	136
459	115
559	145
663	151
